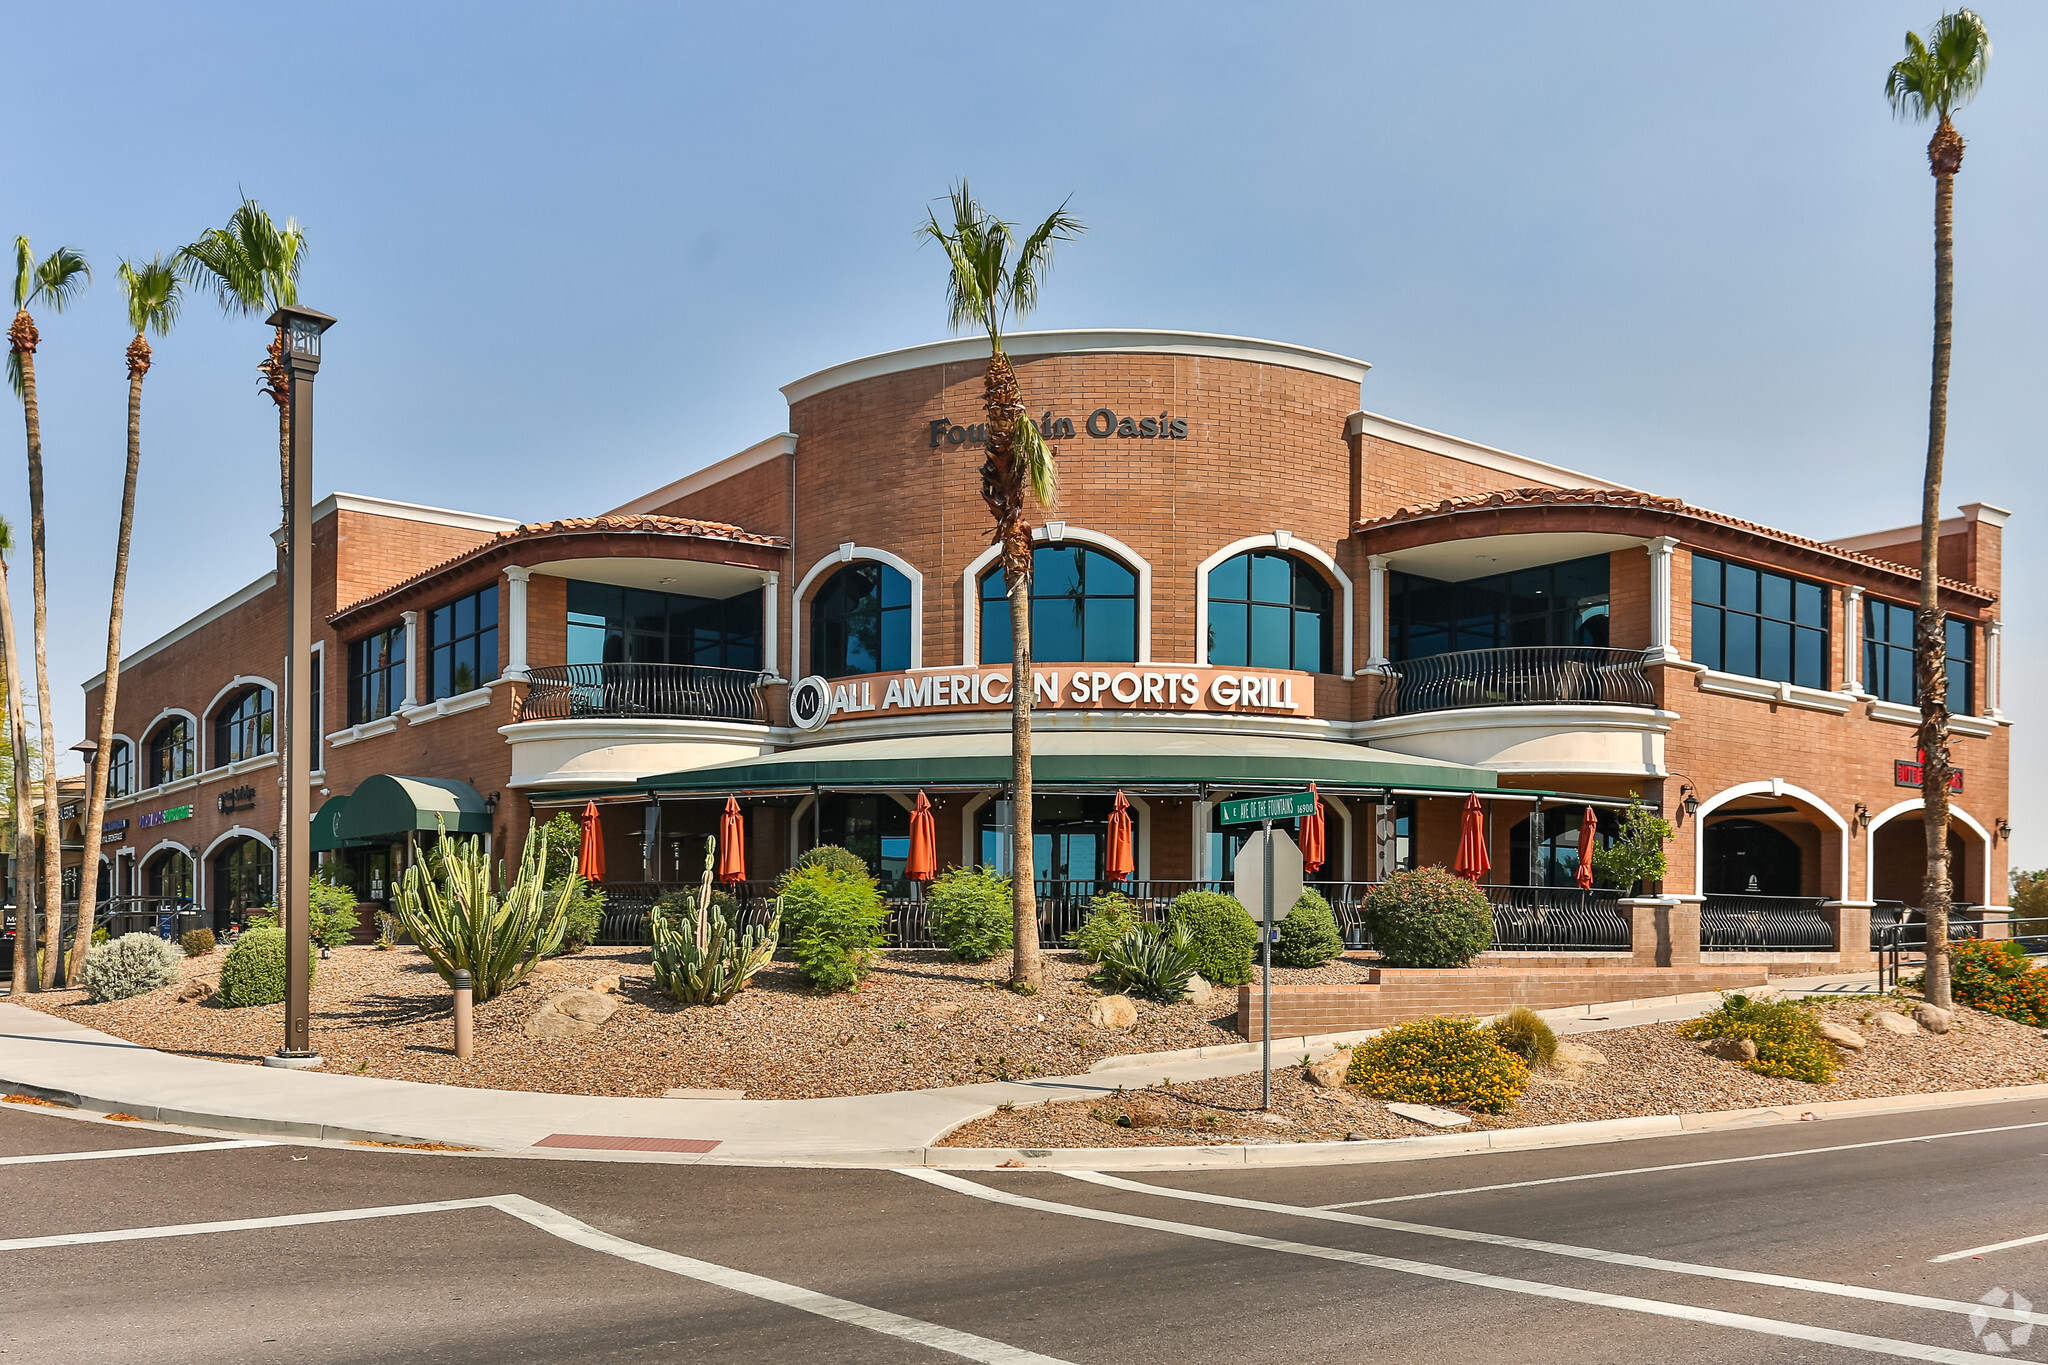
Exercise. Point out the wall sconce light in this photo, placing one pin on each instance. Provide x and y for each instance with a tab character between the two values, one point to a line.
1862	816
2004	828
491	804
1688	798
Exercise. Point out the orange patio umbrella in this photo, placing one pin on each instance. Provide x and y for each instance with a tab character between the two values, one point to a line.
1312	851
923	863
1120	863
590	856
1472	861
1589	835
732	843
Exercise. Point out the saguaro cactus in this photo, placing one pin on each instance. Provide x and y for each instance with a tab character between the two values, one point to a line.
460	924
704	957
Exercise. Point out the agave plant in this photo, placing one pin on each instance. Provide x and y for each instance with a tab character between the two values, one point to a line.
701	955
461	925
1154	965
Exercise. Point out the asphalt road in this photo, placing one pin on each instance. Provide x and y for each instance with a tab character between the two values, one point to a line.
1761	1245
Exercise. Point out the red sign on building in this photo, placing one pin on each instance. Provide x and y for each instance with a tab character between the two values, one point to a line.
1913	772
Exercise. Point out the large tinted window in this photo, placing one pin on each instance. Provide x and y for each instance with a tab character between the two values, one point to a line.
376	675
1888	656
121	769
1269	610
609	624
860	622
170	752
1550	604
1759	624
462	644
1084	609
245	727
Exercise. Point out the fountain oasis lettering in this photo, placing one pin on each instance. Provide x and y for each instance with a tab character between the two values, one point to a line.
1101	424
1140	688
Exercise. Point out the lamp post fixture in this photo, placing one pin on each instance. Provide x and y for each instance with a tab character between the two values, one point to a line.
302	328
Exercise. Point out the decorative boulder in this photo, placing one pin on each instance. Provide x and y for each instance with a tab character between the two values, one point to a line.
1730	1049
572	1014
1932	1019
1330	1072
1840	1035
1892	1021
1148	1112
1113	1012
1198	991
197	991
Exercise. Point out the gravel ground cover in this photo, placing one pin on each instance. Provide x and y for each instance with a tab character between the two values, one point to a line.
1649	1070
920	1021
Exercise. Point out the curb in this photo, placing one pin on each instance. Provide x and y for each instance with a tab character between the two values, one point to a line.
231	1123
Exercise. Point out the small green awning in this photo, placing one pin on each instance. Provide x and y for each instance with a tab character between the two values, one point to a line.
384	808
327	825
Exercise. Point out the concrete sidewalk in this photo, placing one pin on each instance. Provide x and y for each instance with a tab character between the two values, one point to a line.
41	1053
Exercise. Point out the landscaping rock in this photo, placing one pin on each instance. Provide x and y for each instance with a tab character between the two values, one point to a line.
1841	1035
1892	1021
1147	1112
1113	1012
1431	1115
197	991
572	1014
1932	1019
606	985
1573	1056
1198	991
1329	1073
1730	1049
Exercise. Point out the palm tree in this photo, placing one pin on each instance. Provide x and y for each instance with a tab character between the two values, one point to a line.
1937	76
56	280
152	294
985	287
19	755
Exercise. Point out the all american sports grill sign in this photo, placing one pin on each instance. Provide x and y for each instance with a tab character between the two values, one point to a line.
813	701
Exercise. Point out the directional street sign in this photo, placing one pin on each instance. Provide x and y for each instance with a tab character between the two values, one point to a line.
1251	810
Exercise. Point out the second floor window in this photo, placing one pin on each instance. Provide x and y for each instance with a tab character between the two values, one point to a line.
1759	624
1566	603
462	644
244	728
1888	656
860	622
376	675
121	769
609	624
170	752
1268	610
1084	609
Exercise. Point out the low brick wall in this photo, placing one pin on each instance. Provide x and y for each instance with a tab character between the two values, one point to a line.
1398	994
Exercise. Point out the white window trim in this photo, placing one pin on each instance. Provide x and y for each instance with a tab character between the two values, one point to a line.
451	706
1780	693
1057	532
1776	786
800	611
1286	543
369	729
240	832
1917	803
242	681
150	730
134	753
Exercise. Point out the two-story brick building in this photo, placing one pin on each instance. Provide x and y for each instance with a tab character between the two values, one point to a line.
1248	583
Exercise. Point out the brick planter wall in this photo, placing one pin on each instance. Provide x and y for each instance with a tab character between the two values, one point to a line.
1398	994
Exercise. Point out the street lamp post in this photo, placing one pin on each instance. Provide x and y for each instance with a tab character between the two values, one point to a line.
302	328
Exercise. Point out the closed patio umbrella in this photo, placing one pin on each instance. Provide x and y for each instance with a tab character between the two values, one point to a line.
590	856
1589	835
1473	862
732	843
1312	851
923	863
1120	864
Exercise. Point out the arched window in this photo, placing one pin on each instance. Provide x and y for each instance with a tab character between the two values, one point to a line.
121	769
1269	610
860	621
1084	609
169	876
245	727
241	881
170	752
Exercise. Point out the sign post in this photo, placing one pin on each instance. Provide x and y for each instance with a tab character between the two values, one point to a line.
1271	883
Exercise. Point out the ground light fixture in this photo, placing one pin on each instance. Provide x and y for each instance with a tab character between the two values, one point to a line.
302	329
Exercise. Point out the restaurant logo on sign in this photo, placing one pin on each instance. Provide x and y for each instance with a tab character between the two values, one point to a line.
237	798
165	817
1913	772
1216	690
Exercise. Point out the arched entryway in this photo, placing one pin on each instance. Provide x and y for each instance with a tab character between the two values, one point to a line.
167	877
240	878
1897	853
1770	857
1752	857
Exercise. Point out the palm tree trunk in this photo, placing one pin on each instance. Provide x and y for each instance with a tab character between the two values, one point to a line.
1931	664
1003	487
26	938
53	840
96	782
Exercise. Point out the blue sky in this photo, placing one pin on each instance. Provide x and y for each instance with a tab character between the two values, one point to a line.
574	251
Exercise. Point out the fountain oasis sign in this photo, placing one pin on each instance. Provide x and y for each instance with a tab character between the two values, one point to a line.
1137	687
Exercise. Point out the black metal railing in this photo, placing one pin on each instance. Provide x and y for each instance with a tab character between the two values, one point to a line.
652	691
1550	919
1530	675
1765	924
1898	934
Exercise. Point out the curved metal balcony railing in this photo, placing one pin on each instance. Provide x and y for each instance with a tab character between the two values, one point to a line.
1782	924
1527	675
649	691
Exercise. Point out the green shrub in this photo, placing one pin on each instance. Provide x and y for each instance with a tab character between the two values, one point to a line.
253	972
1637	853
1222	933
972	917
685	903
1442	1060
332	912
584	916
102	934
448	908
832	856
1154	965
1111	915
198	943
133	964
1428	918
1522	1031
835	919
1788	1041
1998	977
1309	935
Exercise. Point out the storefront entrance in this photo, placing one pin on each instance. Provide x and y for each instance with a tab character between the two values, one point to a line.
1069	836
1750	858
241	880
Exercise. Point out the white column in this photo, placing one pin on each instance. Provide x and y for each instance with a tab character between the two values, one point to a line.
1994	660
771	623
1661	650
1376	613
1852	642
412	661
515	623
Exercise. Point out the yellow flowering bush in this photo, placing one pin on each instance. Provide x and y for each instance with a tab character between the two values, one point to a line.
1447	1059
1788	1041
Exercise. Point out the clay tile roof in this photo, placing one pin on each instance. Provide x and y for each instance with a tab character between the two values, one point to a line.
1617	497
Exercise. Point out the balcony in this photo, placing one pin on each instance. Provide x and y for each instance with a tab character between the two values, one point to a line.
1540	675
623	691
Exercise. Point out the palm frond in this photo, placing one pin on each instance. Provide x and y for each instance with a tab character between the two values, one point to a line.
15	379
55	281
1034	260
1041	471
251	265
6	537
24	273
153	294
1942	72
216	264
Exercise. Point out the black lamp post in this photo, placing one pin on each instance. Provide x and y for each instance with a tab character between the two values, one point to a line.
302	328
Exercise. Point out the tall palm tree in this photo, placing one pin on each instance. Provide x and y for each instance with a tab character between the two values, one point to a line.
991	279
55	281
19	777
1938	75
153	298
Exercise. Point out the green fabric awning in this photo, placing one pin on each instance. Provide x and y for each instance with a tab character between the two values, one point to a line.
1133	758
327	825
383	808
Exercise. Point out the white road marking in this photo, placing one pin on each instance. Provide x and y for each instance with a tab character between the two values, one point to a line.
134	1151
1847	1291
1680	1166
1903	1350
558	1224
1995	1246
